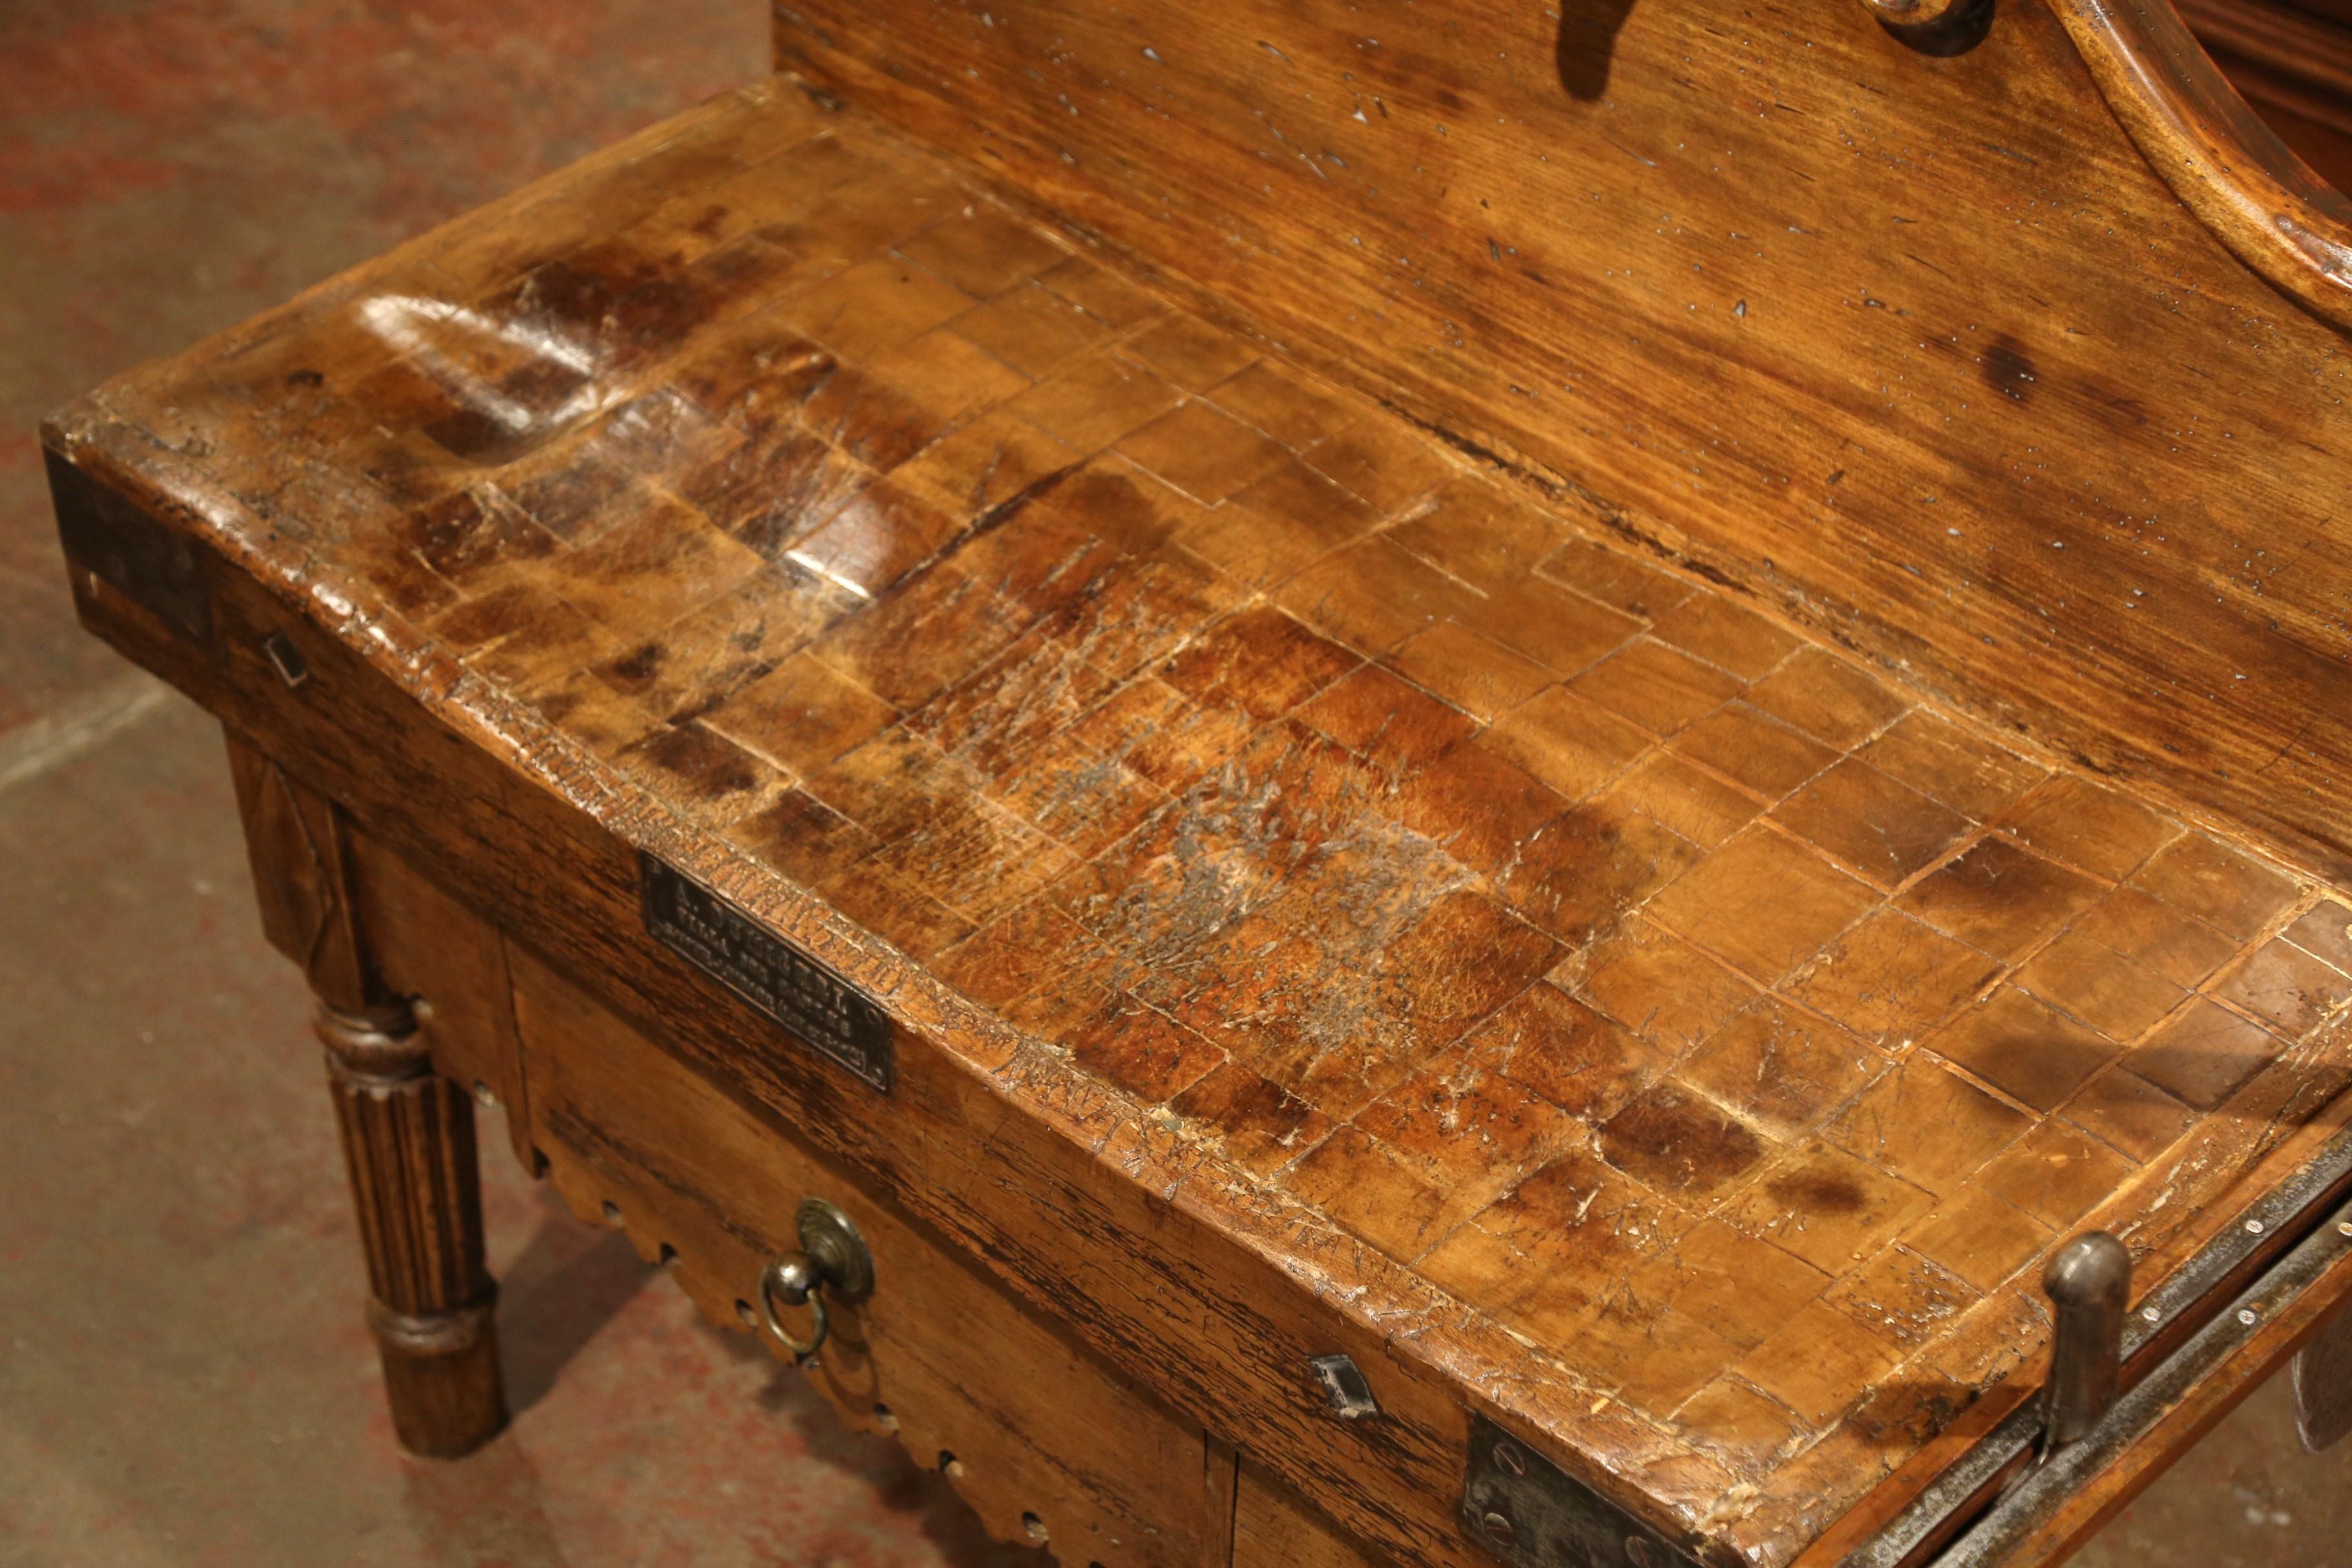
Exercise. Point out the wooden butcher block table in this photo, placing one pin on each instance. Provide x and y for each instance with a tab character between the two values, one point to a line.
1284	979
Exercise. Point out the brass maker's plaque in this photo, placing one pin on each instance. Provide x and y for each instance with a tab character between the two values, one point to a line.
816	1006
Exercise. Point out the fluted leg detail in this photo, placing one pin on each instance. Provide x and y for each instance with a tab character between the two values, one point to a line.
408	1143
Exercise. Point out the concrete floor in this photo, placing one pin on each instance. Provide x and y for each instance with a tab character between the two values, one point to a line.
184	1375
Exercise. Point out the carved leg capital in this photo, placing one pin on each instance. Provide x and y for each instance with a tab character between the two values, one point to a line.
408	1133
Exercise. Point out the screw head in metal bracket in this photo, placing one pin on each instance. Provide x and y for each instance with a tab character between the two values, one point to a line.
2246	1315
2343	1228
1344	1387
2253	1228
2150	1313
1533	1514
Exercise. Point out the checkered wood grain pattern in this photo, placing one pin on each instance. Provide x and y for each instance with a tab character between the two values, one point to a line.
1670	990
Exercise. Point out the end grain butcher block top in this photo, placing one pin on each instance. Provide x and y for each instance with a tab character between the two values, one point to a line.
1674	1039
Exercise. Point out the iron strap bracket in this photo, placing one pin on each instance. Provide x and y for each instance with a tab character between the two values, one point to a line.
146	561
1533	1514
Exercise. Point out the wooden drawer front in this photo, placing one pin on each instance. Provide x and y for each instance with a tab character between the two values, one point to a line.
1036	1433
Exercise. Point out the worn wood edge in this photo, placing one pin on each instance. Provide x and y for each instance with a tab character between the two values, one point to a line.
2227	167
469	1023
1880	1506
1137	1155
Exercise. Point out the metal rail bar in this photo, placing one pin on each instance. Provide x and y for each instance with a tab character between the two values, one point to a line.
2168	1320
2045	1489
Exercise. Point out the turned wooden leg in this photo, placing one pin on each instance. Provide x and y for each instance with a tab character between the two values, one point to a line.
408	1140
408	1133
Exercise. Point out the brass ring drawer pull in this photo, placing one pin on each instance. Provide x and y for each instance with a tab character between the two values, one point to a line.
834	1257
